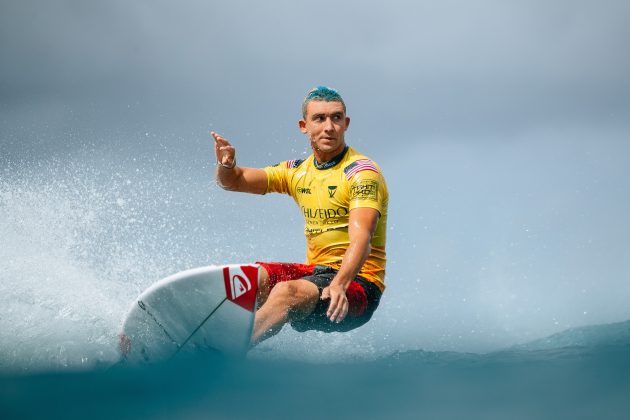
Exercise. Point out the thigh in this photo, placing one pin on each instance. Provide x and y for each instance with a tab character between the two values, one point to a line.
299	297
275	272
279	272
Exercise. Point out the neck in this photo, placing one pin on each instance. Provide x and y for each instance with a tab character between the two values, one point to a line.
330	162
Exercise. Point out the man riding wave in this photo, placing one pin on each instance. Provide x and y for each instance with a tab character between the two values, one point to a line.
343	197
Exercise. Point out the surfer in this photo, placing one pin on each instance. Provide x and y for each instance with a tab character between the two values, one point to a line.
343	197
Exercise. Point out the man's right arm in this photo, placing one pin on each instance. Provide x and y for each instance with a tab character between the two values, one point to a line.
235	178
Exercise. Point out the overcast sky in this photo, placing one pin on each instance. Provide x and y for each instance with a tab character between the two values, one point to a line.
502	127
448	66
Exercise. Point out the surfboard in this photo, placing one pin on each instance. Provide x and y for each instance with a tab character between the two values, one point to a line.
203	309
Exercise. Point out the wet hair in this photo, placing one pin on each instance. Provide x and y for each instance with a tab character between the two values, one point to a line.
322	93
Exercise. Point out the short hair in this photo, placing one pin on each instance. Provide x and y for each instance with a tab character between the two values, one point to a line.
322	93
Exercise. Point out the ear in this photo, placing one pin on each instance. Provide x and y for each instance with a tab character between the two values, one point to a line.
302	125
347	123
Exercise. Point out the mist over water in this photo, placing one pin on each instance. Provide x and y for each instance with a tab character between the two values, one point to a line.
503	240
79	243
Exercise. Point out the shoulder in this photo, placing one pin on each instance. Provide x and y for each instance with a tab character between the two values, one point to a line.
366	185
281	176
294	163
357	163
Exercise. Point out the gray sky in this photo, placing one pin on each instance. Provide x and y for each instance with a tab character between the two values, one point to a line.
445	66
502	127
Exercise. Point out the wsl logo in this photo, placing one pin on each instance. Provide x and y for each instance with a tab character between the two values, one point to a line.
241	284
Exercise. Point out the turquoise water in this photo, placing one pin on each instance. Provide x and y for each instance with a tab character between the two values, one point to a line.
585	381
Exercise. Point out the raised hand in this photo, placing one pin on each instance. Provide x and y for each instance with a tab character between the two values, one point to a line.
226	154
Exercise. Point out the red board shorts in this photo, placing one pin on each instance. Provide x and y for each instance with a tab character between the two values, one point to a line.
363	296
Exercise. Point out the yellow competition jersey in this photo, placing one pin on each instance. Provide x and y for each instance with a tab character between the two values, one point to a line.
326	196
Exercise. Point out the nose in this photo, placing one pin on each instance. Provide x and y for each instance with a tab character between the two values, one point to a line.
328	125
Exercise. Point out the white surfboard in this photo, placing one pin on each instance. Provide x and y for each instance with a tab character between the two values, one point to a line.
207	308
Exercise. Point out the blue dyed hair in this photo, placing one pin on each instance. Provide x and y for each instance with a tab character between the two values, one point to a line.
322	93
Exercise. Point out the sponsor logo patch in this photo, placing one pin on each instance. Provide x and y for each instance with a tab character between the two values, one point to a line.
332	189
366	189
320	213
241	284
303	190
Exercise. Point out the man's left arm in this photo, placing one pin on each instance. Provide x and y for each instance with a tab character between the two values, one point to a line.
362	224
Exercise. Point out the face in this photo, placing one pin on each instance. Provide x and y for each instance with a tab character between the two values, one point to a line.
325	125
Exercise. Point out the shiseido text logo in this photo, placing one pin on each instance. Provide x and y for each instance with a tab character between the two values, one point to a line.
324	213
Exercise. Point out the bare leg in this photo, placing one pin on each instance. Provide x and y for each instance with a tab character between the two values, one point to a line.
263	287
287	301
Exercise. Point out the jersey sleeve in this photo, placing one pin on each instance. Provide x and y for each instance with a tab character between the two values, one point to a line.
367	189
277	178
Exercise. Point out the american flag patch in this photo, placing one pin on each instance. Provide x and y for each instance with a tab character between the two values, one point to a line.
358	166
294	163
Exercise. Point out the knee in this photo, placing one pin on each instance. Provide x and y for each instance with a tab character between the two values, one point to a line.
284	291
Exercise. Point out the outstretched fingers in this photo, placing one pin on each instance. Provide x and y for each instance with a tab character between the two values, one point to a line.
224	151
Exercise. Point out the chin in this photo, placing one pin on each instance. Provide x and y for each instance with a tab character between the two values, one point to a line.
329	147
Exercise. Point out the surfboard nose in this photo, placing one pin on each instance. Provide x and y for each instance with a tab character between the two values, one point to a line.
124	344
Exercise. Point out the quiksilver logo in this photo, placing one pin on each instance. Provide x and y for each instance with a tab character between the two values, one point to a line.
241	283
240	286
